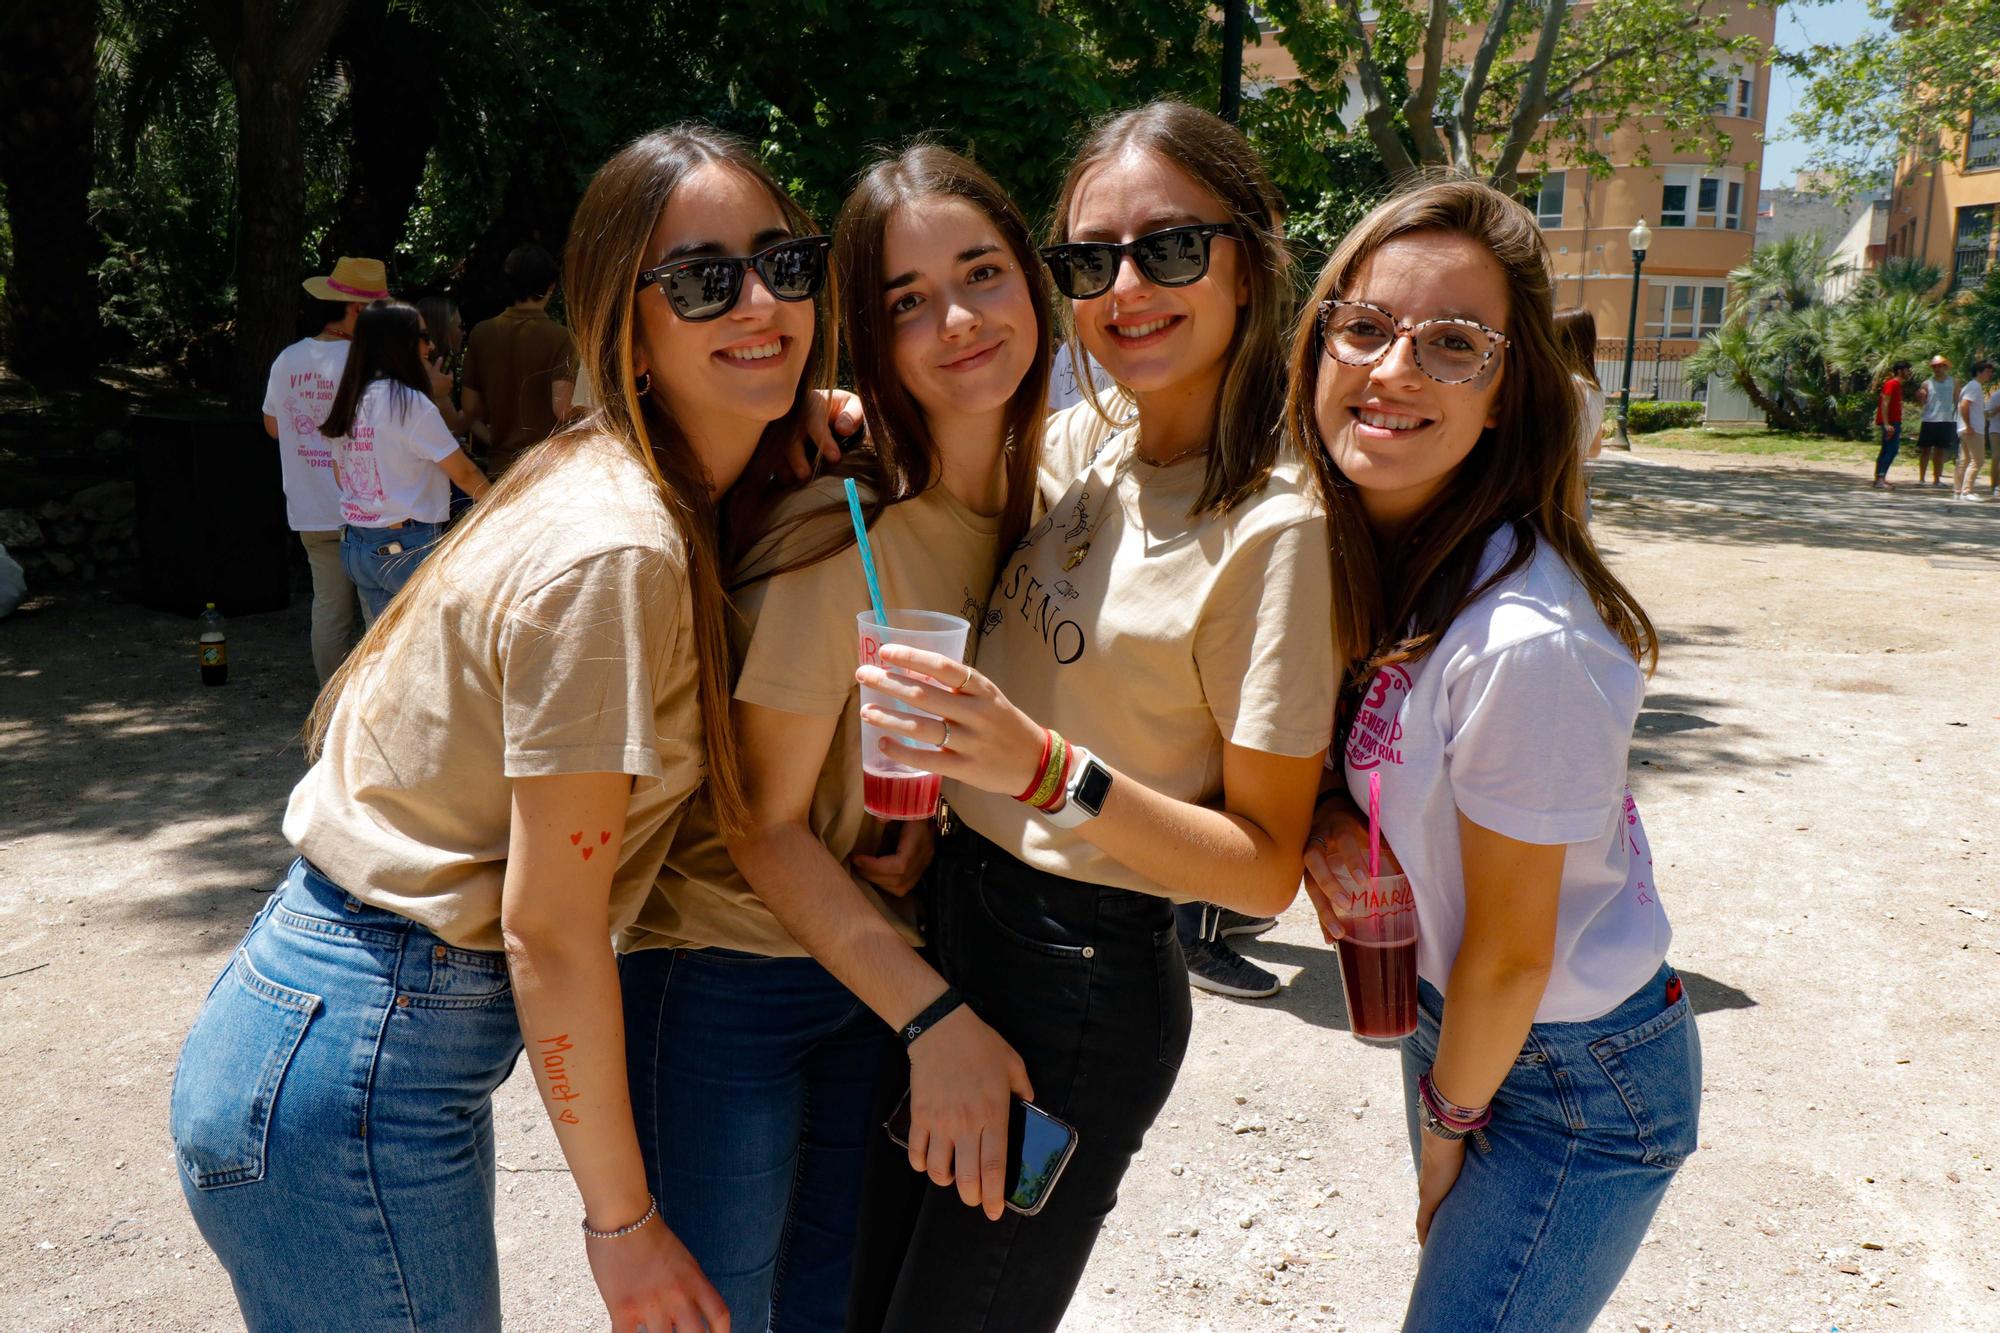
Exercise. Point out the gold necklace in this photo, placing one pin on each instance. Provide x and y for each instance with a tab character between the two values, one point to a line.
1169	462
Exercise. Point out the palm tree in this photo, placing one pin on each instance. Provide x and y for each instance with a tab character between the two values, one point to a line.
1787	274
1906	275
1873	333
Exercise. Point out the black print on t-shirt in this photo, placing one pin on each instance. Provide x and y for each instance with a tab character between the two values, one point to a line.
1038	606
976	614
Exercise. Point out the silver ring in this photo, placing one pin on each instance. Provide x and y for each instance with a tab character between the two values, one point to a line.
944	741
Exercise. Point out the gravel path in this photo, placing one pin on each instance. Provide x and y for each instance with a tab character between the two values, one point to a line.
1819	765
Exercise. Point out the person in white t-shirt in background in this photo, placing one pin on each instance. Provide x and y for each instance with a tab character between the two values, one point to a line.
1937	433
1497	677
296	398
1992	442
394	459
1972	432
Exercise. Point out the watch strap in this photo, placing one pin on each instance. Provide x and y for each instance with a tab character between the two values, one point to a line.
933	1013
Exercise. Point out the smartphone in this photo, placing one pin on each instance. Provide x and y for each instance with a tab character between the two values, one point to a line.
1039	1146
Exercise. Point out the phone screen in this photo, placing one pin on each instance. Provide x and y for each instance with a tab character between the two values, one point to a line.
1038	1148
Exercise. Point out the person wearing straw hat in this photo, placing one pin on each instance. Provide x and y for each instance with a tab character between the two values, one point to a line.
1937	434
297	394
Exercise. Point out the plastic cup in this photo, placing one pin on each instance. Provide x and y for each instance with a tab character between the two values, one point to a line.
889	789
1378	956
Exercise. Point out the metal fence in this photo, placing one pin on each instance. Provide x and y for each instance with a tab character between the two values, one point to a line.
1663	378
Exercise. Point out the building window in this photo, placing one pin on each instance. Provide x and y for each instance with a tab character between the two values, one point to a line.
1972	246
1735	93
1689	197
1982	144
1549	201
1684	308
1746	96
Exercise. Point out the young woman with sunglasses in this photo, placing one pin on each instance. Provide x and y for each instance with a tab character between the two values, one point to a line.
760	1001
394	459
1152	704
500	767
1498	674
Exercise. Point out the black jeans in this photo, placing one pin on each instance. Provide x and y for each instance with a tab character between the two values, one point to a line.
1088	984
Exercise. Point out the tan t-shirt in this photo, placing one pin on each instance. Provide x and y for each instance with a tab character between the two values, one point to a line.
560	643
513	362
1152	638
799	652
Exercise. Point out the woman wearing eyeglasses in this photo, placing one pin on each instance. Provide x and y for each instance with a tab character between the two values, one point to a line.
760	1002
1152	704
1499	668
394	459
500	767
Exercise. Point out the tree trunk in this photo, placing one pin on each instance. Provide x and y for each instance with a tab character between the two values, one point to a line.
393	104
48	95
536	206
270	51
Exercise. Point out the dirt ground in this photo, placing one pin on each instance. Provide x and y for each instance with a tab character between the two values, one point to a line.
1819	772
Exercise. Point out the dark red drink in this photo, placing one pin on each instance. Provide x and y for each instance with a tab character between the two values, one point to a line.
1380	981
905	795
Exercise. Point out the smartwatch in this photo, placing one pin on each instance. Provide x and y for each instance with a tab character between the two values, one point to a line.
1083	798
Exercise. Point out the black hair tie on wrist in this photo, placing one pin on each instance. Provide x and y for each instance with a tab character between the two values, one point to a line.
934	1013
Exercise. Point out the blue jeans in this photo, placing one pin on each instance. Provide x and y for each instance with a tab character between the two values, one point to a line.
1892	444
332	1118
1588	1130
379	569
753	1083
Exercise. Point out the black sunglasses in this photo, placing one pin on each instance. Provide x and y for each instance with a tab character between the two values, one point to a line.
706	287
1171	258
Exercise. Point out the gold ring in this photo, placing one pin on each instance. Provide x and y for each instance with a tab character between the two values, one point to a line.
968	677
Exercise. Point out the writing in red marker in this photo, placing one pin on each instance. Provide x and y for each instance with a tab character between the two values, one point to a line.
555	1074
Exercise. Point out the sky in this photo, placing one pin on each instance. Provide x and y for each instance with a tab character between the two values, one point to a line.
1801	25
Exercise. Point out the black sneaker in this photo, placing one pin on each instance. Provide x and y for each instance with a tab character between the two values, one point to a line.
1234	922
1214	966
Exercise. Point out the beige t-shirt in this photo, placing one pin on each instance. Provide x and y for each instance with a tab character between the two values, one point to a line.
799	651
1152	638
559	643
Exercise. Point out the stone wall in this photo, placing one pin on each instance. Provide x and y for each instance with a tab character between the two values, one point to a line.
89	535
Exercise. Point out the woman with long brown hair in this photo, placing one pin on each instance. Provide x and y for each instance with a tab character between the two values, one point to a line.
760	1001
499	768
1499	668
1169	612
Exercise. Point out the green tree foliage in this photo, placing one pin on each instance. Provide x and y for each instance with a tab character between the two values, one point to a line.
1913	86
1546	78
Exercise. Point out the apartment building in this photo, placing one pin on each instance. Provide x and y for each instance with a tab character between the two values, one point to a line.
1703	215
1942	209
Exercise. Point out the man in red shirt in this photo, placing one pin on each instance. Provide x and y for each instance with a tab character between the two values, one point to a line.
1889	416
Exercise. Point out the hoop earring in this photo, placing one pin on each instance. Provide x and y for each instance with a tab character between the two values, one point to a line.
645	383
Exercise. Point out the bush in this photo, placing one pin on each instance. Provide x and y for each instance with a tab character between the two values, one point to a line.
1648	415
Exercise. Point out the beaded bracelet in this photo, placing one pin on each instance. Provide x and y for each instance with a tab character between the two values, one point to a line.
652	1212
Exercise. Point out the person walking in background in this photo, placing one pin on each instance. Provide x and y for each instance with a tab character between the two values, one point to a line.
297	396
392	455
1577	328
1971	432
1992	441
1889	420
446	331
1937	433
519	365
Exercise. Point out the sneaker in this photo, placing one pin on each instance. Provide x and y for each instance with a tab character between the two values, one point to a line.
1214	966
1232	922
1882	485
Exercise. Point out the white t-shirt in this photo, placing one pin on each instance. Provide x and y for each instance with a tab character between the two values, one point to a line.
1521	717
1974	398
1938	407
387	466
298	395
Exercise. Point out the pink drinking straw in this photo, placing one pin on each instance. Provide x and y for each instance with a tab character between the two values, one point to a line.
1374	827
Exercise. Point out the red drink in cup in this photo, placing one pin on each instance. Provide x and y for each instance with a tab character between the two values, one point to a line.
891	789
1378	956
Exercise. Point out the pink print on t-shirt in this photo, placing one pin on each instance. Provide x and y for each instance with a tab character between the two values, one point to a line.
1635	839
361	493
1378	724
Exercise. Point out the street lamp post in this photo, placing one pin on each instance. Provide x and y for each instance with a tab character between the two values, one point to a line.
1641	236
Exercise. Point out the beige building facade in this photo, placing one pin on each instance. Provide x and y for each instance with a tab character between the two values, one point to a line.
1946	203
1703	214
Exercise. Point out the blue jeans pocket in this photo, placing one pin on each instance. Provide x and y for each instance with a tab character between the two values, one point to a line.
230	1071
1656	1069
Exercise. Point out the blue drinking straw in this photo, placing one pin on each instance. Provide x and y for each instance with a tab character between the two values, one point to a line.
867	556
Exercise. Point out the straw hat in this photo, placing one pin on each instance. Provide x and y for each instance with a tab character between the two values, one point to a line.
352	280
